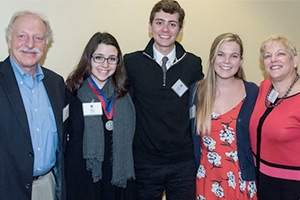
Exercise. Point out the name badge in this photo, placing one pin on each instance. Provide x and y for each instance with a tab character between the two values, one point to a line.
179	88
273	96
192	112
91	109
66	113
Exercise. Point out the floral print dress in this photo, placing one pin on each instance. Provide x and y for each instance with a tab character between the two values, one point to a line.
219	174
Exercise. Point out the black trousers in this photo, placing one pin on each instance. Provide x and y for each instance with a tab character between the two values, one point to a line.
270	188
177	180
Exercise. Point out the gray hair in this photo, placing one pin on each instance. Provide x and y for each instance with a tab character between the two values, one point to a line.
8	30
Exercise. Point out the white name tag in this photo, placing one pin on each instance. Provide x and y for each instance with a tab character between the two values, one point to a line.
273	96
90	109
66	113
179	87
192	112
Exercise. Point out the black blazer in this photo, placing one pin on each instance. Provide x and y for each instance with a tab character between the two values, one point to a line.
16	153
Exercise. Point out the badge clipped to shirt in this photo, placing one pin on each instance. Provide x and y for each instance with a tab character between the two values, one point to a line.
273	96
91	109
179	88
192	112
66	113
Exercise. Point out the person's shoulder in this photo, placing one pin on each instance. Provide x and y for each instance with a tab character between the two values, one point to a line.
251	88
250	84
192	56
180	50
266	81
49	72
4	62
70	96
265	84
133	54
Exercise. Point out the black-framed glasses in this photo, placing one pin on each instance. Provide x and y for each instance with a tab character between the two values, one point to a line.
101	59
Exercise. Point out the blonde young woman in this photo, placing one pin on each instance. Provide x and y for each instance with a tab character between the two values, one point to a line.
223	109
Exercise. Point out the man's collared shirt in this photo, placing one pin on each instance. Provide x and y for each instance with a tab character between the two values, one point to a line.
171	57
40	118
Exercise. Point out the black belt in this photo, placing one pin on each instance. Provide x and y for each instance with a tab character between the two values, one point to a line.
37	177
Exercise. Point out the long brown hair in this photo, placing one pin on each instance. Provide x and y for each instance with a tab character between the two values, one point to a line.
84	67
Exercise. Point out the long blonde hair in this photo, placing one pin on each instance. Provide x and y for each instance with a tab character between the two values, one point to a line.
207	87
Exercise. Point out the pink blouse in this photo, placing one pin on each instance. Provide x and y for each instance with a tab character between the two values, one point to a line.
280	135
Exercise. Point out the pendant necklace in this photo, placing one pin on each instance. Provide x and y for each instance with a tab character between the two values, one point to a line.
272	94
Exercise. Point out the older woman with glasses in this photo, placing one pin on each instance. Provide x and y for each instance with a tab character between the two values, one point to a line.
99	160
275	122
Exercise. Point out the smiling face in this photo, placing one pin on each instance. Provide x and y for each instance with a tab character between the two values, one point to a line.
165	29
228	60
27	43
102	71
278	62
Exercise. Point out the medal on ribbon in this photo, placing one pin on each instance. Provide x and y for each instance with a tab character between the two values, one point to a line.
108	107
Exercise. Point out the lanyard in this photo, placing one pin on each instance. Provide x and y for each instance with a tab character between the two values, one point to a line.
107	107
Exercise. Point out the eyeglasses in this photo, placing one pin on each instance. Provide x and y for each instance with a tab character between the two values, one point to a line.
101	59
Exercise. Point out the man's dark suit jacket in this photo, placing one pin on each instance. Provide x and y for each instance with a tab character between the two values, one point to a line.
16	153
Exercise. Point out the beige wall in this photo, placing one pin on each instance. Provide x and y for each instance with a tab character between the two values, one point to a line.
74	22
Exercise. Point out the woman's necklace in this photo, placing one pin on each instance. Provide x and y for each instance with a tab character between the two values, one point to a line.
284	96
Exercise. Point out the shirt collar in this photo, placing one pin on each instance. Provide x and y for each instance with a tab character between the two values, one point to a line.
158	56
39	75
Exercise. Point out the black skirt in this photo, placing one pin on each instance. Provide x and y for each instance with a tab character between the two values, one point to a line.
270	188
